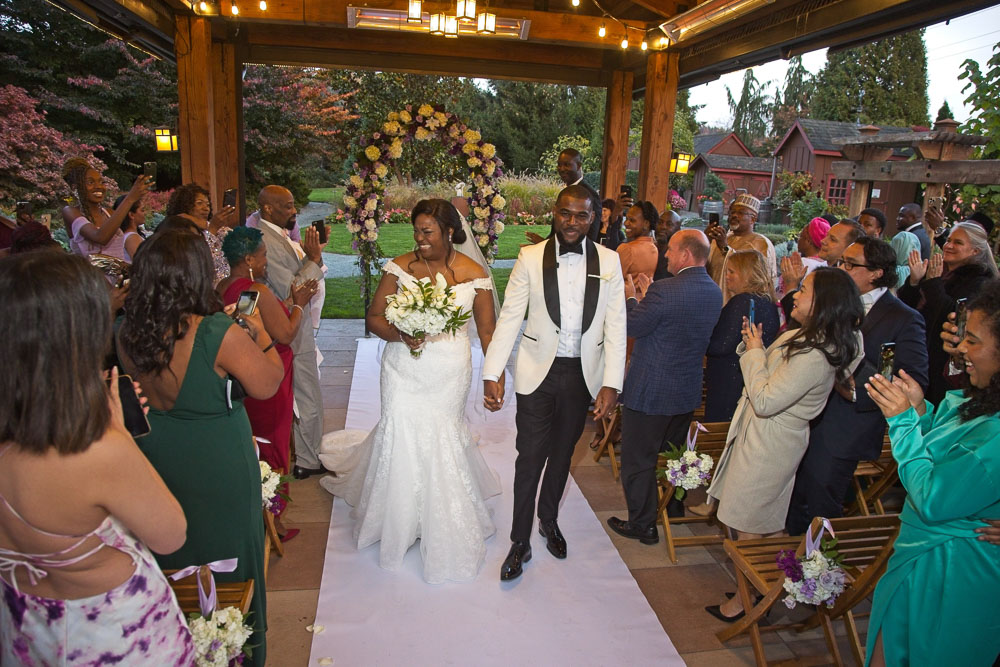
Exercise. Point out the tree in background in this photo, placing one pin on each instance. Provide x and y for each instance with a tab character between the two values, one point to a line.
31	152
884	83
751	113
591	157
793	102
983	88
293	128
944	112
93	89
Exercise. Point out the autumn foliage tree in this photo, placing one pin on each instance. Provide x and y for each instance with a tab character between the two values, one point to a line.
32	152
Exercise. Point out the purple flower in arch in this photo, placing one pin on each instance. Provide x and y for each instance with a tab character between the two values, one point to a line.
364	142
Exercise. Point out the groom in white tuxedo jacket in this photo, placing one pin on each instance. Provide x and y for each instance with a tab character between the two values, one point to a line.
572	350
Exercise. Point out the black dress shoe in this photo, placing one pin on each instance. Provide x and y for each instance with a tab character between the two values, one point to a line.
554	540
519	554
628	529
301	473
716	610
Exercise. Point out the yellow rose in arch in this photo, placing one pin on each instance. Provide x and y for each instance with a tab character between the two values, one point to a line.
453	131
489	150
396	149
425	110
423	134
441	118
472	136
373	153
381	170
405	116
483	239
392	127
474	162
498	202
489	168
350	202
392	116
356	181
470	149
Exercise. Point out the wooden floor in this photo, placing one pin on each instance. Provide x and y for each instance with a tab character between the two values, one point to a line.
677	593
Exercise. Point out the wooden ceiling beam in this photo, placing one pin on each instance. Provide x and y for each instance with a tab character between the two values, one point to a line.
665	8
976	172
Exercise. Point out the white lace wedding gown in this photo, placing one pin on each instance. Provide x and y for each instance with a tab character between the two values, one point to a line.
419	474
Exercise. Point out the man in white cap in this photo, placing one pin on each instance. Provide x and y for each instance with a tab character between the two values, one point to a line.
740	236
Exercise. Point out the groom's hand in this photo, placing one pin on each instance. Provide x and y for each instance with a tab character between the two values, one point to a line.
492	395
607	399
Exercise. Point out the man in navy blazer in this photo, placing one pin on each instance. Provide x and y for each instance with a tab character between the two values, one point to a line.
671	325
851	427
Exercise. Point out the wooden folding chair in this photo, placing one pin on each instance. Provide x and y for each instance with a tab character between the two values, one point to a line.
864	542
229	594
612	438
879	476
711	443
271	541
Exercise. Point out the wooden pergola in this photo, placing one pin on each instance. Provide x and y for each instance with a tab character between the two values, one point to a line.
560	45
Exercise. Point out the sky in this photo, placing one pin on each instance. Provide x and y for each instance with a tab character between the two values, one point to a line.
948	46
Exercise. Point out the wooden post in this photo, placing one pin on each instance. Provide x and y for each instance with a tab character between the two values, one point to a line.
859	197
196	101
617	119
658	127
227	97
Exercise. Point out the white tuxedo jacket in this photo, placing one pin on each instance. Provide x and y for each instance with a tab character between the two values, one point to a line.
534	286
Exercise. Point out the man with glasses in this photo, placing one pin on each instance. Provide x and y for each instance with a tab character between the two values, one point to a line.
851	427
740	236
793	271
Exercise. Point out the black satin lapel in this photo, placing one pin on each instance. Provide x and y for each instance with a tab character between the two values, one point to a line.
550	282
593	288
875	315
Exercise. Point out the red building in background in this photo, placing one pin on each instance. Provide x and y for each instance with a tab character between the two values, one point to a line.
724	155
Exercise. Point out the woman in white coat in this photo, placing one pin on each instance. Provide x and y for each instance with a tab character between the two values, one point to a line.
785	386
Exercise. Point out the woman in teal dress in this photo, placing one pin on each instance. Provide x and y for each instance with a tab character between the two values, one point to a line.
936	603
186	353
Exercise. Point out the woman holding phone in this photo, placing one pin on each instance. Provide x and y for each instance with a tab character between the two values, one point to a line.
270	418
80	506
192	360
194	203
943	578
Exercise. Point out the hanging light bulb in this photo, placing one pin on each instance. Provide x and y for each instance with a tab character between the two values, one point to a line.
263	5
437	24
466	10
203	7
624	42
664	42
413	13
487	24
451	26
576	3
234	9
602	31
644	45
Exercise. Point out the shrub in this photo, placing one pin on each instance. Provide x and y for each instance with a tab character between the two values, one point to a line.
529	194
807	207
714	188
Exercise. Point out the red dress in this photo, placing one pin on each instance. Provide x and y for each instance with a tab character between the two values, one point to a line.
270	418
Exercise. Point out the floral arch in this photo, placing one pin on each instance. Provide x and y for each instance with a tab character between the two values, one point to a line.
363	201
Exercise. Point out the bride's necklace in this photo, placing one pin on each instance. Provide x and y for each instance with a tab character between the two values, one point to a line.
447	264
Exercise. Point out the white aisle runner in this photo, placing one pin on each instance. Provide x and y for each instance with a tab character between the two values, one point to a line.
585	610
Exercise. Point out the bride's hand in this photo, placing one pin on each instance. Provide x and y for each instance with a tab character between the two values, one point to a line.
493	394
411	342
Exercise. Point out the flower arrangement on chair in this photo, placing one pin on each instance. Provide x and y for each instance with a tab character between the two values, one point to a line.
817	577
686	469
220	635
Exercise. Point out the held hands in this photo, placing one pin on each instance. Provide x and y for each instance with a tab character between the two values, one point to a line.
302	293
410	341
753	335
630	290
792	271
898	396
918	267
311	246
493	394
607	399
935	266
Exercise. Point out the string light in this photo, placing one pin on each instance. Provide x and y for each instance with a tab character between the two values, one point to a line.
576	3
203	7
234	9
624	42
263	5
644	45
602	31
664	42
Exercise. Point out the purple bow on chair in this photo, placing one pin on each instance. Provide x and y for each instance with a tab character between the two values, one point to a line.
692	438
813	544
210	601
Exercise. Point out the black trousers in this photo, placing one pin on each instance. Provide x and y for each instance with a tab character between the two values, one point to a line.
822	484
549	422
644	436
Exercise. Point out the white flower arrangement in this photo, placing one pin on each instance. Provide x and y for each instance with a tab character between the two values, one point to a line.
221	640
817	577
423	309
685	469
271	498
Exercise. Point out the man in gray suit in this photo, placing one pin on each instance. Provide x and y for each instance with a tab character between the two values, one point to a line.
289	263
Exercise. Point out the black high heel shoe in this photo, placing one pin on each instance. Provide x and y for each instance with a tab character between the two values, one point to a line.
716	610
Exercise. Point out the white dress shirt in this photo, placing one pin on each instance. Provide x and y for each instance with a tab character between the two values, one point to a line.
571	273
868	299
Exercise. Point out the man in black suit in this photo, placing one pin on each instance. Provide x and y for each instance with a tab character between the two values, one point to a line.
569	166
910	219
851	427
672	326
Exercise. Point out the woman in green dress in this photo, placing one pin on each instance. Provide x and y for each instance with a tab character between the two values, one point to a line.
936	603
189	355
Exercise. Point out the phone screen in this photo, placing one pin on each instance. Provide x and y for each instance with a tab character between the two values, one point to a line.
229	197
25	208
627	190
247	303
887	359
751	313
321	230
135	419
961	316
149	171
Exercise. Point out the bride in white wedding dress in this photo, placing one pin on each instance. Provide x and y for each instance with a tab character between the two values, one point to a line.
419	474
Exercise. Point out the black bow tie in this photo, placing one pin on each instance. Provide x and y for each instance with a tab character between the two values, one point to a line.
565	248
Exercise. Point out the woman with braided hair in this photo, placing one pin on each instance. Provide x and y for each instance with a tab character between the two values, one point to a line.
92	227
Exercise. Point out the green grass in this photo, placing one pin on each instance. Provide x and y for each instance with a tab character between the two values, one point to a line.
328	195
396	240
343	295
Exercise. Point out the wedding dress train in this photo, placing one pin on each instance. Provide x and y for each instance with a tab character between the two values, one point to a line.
419	474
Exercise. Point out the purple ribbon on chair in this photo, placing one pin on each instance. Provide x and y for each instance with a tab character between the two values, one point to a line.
813	544
207	602
692	438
